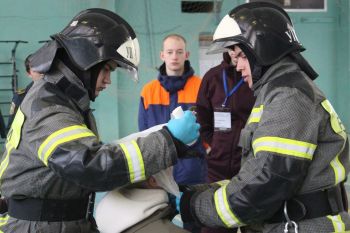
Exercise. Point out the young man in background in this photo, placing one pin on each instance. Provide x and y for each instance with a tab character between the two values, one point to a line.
175	86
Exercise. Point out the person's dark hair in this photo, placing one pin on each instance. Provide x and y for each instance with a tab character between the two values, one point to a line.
27	64
226	57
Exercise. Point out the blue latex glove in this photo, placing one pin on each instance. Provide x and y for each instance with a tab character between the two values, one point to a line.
185	128
177	202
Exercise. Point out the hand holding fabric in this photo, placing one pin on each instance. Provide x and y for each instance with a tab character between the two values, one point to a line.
184	128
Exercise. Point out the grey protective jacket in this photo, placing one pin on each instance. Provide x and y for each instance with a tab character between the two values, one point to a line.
293	143
53	152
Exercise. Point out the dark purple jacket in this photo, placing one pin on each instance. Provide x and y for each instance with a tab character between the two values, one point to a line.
224	158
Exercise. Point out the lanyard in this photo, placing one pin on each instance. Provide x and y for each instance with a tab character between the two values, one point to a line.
234	89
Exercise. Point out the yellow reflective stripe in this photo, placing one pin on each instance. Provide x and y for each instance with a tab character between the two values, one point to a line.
339	170
134	160
14	135
338	127
13	139
129	162
223	208
222	182
284	146
55	134
337	222
140	159
5	161
61	136
256	114
3	220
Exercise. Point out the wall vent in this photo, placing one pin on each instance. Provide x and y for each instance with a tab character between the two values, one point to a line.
200	6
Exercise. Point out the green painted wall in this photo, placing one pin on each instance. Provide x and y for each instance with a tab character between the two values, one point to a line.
324	34
342	93
34	21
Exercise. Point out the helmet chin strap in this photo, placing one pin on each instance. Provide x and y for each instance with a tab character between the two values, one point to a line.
94	72
256	69
256	73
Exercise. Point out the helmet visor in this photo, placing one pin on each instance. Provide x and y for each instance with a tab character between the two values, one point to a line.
224	35
130	51
220	47
130	71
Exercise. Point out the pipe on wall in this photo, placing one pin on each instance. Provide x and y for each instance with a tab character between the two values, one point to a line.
149	23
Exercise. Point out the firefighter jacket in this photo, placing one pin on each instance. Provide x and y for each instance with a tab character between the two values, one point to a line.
16	102
158	99
293	144
53	152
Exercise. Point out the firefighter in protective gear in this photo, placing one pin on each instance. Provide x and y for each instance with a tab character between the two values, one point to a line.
295	156
54	161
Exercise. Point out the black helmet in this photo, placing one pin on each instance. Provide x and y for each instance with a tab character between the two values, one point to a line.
93	36
262	28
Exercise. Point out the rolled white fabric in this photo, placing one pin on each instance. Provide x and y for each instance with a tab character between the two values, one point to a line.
165	180
122	208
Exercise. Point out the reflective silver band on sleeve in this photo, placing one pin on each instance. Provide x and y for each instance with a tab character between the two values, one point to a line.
135	162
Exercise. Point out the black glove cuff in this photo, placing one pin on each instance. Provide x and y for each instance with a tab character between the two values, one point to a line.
188	214
181	148
185	207
3	206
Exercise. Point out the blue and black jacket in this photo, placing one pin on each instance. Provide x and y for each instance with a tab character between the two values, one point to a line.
158	99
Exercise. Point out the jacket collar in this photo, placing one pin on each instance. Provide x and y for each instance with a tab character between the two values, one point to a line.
70	84
174	83
282	67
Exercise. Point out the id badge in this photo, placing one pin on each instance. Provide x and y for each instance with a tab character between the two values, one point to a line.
222	119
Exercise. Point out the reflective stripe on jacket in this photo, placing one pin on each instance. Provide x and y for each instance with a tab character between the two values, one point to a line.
293	143
53	150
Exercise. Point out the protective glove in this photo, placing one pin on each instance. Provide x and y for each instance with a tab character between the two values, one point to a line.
185	129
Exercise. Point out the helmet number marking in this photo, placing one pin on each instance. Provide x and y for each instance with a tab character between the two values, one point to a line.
291	34
129	52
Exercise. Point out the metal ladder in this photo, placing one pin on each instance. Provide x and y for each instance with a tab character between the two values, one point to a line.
14	80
